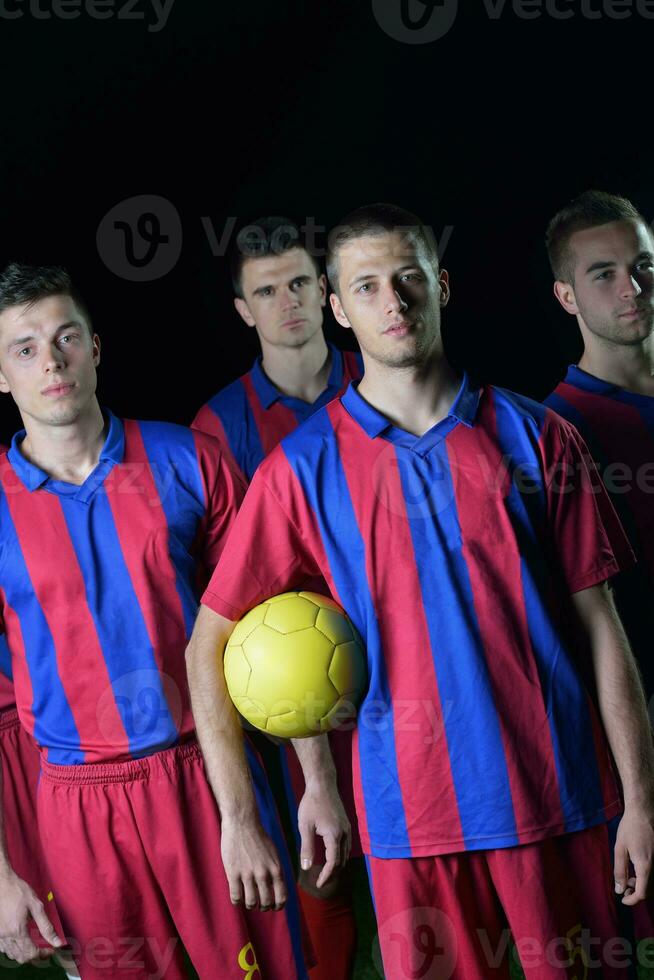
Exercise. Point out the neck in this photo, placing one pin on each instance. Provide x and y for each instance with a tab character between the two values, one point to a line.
66	452
631	368
299	372
414	398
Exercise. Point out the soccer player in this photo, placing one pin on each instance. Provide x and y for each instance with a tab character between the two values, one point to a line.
602	255
280	291
459	528
106	527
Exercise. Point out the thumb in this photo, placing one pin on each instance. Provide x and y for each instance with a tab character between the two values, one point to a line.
620	868
306	847
43	923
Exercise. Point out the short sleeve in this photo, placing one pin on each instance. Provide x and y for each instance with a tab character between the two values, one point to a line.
266	553
224	492
589	541
208	421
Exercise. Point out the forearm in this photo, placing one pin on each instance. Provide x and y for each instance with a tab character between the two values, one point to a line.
622	702
217	724
5	866
315	757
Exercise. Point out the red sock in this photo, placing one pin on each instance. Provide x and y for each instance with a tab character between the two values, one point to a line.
332	928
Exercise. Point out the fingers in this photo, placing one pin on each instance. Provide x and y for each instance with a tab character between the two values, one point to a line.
43	924
306	845
280	891
22	949
637	886
265	890
620	868
235	889
332	859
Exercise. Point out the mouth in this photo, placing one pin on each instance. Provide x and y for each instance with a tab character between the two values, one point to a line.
633	314
296	322
398	329
62	388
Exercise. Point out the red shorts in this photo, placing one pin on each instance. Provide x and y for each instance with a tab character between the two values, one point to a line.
452	916
19	758
340	743
133	849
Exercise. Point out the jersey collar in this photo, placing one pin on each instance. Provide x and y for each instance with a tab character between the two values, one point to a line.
464	409
268	393
34	478
588	382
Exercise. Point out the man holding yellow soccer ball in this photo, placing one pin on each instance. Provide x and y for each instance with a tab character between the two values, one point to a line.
461	531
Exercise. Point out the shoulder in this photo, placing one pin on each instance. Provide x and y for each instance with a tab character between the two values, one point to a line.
228	399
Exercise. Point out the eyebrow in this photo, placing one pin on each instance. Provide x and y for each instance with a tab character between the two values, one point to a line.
25	340
373	275
595	266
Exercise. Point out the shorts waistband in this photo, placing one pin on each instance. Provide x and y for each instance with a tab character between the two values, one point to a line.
8	719
90	773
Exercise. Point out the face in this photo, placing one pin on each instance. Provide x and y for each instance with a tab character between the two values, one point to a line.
612	293
283	297
48	360
391	294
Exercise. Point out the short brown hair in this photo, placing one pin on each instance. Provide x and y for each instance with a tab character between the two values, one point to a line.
21	284
589	210
375	219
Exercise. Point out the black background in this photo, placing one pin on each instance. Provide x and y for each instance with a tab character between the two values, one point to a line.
310	109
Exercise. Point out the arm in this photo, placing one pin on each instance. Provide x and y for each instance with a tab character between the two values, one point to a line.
624	715
321	809
251	862
19	904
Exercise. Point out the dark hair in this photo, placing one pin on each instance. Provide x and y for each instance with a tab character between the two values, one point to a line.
589	210
21	284
375	219
270	235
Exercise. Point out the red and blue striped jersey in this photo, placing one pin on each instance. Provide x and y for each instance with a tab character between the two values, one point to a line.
7	699
99	587
454	553
251	416
618	427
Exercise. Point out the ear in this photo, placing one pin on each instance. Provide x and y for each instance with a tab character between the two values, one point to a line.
322	286
4	384
566	296
244	311
95	340
338	311
444	282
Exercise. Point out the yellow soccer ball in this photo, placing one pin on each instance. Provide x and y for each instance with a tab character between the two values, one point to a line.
295	665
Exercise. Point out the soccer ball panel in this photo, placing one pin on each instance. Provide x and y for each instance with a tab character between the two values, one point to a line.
334	625
347	669
296	613
237	671
247	624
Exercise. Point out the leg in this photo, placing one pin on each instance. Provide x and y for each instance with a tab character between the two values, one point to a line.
328	911
558	897
439	917
180	826
110	904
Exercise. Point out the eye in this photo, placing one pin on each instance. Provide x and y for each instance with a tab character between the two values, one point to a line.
365	287
645	264
410	276
297	283
25	352
604	275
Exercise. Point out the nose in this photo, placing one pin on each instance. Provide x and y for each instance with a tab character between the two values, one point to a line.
630	287
290	299
394	301
53	359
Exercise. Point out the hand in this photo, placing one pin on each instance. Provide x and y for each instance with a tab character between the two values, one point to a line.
252	866
321	811
19	904
635	843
